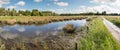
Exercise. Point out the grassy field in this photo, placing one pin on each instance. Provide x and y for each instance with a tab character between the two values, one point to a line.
98	37
115	20
10	20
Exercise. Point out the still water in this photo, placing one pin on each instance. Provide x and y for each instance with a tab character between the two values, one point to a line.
42	30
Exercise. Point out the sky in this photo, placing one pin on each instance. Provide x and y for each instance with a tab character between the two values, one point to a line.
64	6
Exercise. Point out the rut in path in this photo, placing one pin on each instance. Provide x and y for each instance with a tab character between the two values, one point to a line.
115	31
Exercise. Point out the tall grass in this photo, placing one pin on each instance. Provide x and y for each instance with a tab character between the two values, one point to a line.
114	20
36	19
98	37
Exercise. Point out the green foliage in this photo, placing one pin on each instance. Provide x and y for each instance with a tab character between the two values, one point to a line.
27	13
35	12
2	11
104	13
24	13
98	38
13	12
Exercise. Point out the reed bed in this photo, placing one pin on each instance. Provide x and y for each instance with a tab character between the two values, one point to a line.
11	20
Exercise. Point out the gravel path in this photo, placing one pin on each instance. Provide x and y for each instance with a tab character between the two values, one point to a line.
115	31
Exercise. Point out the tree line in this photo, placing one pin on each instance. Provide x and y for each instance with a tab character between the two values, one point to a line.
91	13
34	12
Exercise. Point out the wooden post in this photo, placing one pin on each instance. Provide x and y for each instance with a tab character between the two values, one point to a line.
76	46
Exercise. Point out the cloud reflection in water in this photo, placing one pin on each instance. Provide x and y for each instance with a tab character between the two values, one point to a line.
22	29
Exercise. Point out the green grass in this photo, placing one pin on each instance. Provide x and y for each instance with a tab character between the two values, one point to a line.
98	38
114	20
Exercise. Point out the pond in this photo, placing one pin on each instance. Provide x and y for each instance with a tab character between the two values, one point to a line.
42	30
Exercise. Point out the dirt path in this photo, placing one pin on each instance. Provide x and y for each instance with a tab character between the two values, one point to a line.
115	31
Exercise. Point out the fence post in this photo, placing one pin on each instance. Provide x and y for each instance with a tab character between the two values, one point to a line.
76	46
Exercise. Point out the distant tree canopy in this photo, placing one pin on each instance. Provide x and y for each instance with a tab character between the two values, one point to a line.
91	13
34	12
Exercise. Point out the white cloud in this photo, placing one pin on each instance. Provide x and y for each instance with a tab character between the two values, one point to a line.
51	10
99	8
61	10
21	3
23	9
61	3
111	6
116	3
37	0
4	2
57	10
103	1
11	7
107	2
22	29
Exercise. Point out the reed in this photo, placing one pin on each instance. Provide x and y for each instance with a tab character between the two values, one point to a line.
26	20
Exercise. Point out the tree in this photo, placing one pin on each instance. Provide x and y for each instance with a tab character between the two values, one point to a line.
27	13
104	13
13	12
2	13
21	12
35	12
8	12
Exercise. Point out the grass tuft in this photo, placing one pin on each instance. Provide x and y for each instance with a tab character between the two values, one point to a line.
69	28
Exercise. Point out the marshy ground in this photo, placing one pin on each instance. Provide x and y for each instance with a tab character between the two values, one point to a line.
56	41
93	35
11	20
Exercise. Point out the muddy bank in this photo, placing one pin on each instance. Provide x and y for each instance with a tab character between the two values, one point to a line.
63	41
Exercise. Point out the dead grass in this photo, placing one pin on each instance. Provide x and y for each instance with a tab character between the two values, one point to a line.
69	28
36	19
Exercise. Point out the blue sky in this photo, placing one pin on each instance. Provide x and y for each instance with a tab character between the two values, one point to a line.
64	6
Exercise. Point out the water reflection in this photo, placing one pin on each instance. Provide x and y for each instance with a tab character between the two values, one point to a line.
9	35
44	30
22	29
